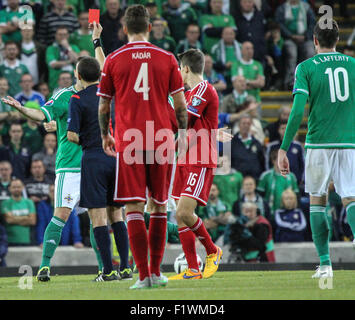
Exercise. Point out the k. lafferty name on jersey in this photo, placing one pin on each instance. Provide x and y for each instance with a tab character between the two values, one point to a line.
141	55
329	58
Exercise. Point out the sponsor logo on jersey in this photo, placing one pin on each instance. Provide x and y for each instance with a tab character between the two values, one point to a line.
49	102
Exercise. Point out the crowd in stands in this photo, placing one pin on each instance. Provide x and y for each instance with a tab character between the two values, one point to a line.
249	45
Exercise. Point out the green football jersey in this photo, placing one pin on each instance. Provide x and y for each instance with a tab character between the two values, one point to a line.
273	184
18	234
328	79
250	70
69	154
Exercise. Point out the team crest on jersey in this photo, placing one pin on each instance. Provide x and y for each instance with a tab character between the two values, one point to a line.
49	103
195	102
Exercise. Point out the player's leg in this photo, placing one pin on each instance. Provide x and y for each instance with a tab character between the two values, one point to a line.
138	240
120	233
349	205
318	172
320	235
51	240
98	216
344	183
96	250
66	196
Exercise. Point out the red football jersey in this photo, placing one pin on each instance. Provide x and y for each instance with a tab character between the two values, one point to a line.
140	76
202	107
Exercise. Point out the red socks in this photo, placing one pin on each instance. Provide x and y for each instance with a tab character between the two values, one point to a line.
202	234
187	239
138	240
157	235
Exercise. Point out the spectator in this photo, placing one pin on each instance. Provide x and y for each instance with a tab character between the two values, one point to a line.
32	135
213	77
58	17
179	15
37	185
3	245
226	52
65	80
71	231
295	154
12	68
82	37
60	56
349	50
153	9
5	179
48	154
111	22
290	222
20	214
17	153
233	102
247	152
251	236
251	69
228	182
212	24
249	194
191	41
251	108
121	38
33	56
43	88
158	37
27	93
272	184
296	20
215	214
272	129
7	114
9	21
251	25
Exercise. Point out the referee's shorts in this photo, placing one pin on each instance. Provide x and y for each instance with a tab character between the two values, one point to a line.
97	183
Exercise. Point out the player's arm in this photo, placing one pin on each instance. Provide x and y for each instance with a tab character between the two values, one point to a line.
99	53
293	125
108	143
180	109
74	119
34	114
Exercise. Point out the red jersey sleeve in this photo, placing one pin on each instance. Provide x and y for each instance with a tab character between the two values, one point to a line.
198	100
106	88
175	83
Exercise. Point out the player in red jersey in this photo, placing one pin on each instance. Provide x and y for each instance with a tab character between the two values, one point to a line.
193	180
141	76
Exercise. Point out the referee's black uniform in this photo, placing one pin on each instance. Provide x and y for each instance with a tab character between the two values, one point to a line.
97	169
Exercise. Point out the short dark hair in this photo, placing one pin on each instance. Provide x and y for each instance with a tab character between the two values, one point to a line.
327	37
136	19
194	59
89	69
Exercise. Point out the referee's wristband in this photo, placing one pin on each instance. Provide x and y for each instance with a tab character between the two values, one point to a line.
97	43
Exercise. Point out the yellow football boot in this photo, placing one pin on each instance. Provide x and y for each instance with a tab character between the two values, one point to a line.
212	263
187	275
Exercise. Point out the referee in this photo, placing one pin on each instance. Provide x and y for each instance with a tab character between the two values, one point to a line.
97	171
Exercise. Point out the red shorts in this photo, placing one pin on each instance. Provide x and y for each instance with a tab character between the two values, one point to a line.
137	181
193	182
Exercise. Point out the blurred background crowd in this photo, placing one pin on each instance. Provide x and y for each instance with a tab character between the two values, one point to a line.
252	48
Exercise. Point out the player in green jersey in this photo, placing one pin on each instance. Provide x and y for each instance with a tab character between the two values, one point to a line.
327	81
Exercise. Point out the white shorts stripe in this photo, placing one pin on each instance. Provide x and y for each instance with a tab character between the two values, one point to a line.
200	183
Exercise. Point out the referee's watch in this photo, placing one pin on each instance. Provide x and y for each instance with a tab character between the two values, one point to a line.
97	43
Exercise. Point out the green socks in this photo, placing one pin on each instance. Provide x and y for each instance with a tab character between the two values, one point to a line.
51	240
350	215
95	247
320	233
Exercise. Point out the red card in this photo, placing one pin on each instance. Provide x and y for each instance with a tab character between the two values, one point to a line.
94	15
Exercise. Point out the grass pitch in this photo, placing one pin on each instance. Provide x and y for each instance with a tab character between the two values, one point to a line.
242	285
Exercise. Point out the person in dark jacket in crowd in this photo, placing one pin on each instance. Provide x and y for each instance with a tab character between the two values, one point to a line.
251	236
